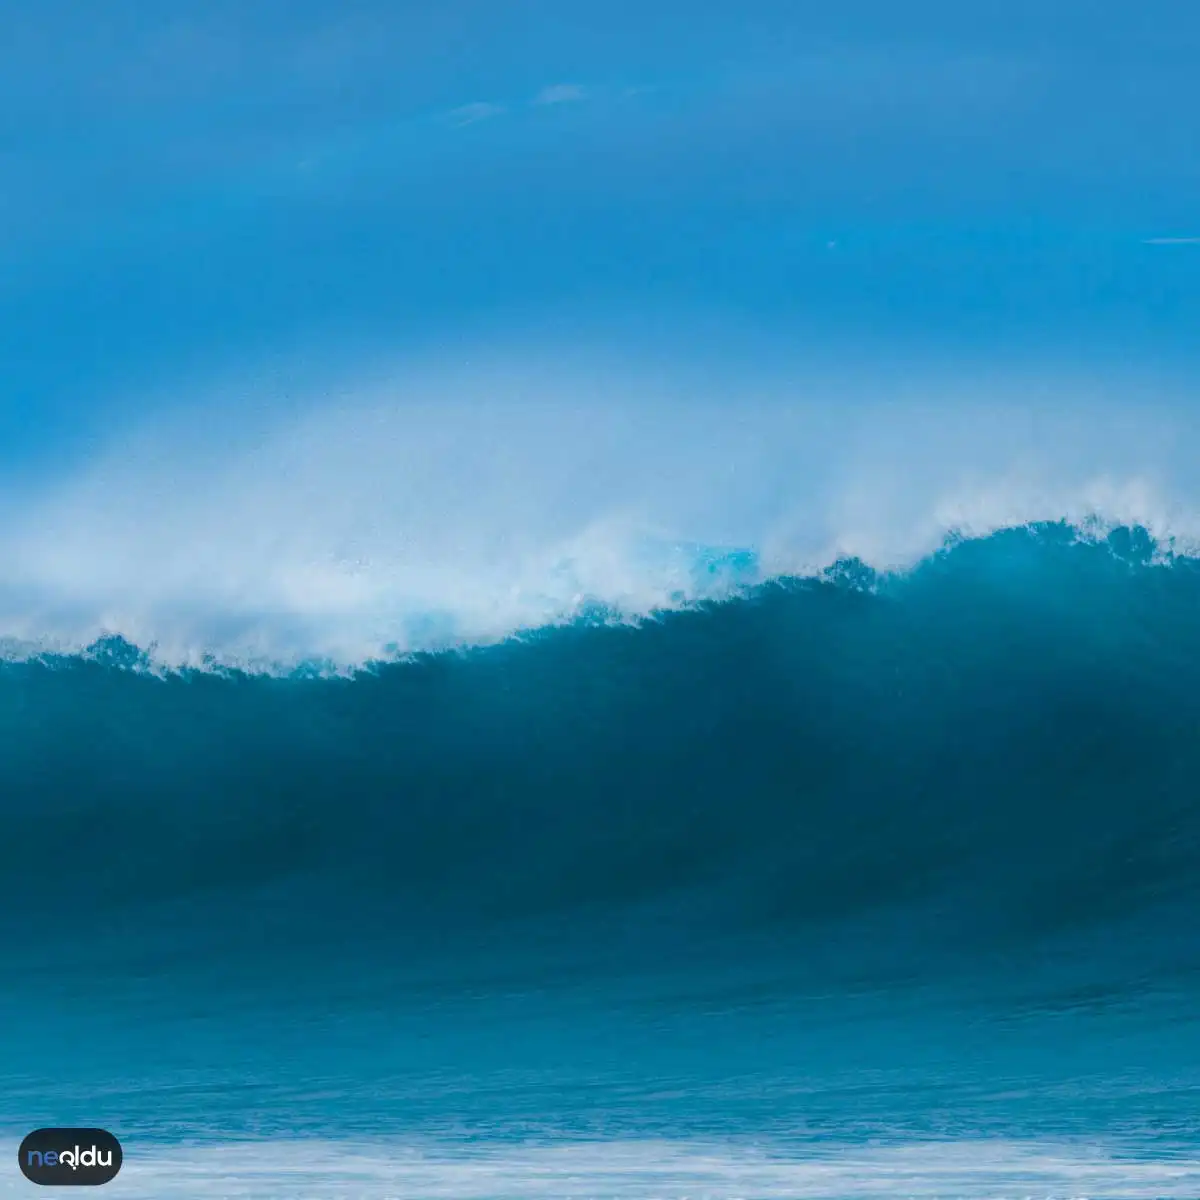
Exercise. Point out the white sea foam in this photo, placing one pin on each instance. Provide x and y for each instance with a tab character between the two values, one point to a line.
650	1170
438	510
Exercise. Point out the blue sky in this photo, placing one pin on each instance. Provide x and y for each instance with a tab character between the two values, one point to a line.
187	187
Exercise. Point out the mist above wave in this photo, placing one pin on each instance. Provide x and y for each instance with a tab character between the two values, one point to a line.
460	507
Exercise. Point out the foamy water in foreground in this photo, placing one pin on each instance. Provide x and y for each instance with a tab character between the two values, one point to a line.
651	1170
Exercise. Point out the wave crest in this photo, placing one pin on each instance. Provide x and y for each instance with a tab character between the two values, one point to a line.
447	515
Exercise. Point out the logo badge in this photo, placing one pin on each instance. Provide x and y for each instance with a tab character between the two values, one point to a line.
70	1157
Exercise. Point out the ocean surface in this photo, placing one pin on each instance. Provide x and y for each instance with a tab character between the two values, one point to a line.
855	884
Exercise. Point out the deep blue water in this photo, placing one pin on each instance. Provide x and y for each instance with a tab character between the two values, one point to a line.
865	865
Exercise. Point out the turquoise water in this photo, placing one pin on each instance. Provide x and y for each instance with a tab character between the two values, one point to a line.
853	886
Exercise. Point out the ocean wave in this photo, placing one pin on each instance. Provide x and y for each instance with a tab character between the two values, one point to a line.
887	879
993	749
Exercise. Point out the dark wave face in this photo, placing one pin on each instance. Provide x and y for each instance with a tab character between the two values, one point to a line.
942	825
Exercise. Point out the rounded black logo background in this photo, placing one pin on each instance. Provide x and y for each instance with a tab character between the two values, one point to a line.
69	1157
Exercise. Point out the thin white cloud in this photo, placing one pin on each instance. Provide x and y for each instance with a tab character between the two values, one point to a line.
1172	241
468	114
561	93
